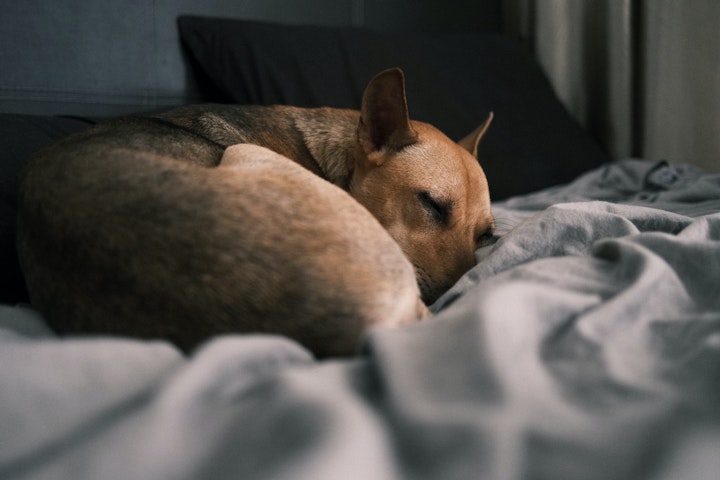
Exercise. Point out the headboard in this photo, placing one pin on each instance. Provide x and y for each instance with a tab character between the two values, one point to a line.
101	58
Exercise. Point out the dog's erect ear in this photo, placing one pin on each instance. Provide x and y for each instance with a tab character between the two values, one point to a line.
384	120
471	142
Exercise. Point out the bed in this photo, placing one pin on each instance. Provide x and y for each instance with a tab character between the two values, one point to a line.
584	344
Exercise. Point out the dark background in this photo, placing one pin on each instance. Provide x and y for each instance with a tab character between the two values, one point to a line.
108	57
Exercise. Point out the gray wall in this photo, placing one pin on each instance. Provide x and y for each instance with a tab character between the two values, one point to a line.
100	57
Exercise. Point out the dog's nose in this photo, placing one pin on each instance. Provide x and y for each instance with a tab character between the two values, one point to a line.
486	238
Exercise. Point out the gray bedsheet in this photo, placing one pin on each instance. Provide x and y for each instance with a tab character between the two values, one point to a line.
584	345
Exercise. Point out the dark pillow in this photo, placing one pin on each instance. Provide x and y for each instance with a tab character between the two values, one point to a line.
453	81
20	136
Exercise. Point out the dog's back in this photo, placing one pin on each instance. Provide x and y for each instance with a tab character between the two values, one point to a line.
130	228
308	136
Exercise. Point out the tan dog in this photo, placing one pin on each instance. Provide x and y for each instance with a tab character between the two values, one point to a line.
129	228
429	192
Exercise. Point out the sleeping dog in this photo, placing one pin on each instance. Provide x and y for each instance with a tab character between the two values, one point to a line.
208	219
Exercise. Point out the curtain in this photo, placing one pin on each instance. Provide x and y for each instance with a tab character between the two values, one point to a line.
642	76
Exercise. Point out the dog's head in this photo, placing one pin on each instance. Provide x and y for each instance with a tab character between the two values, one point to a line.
429	192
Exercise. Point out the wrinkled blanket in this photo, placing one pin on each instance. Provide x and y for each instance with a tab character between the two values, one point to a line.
585	344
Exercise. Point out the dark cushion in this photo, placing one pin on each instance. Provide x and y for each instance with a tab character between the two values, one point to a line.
20	136
453	81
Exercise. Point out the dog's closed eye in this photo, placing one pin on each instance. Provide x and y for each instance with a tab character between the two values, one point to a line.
439	210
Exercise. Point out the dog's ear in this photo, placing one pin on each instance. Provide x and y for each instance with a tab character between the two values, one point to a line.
384	119
471	142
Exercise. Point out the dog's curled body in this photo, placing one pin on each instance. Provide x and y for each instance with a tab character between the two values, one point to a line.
207	219
138	227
